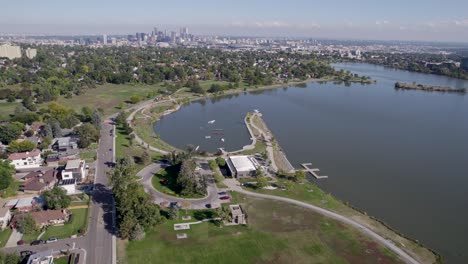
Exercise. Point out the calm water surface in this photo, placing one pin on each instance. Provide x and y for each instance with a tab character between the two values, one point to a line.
401	156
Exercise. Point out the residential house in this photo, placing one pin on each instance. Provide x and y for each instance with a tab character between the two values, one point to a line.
44	218
52	160
28	203
26	160
68	185
74	169
63	144
10	204
38	181
5	217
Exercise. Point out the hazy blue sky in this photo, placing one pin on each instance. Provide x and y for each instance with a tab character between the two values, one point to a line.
368	19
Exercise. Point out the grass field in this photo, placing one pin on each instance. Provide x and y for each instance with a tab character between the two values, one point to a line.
276	234
108	96
88	156
7	109
310	193
165	182
62	260
4	235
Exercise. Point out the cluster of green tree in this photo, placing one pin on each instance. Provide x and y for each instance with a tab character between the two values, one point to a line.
439	64
135	210
66	71
189	181
6	174
11	258
26	225
56	198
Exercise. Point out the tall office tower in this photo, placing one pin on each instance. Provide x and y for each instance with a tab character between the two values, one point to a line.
155	31
104	39
464	64
173	36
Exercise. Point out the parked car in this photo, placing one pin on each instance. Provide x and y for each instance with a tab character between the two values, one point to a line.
222	193
37	242
51	240
208	206
20	242
26	253
224	197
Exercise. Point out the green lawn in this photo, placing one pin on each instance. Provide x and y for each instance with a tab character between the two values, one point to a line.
165	181
276	234
108	96
260	147
62	260
78	221
7	109
11	190
88	156
4	235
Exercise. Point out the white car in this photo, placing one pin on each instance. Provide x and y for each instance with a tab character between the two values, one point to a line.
51	240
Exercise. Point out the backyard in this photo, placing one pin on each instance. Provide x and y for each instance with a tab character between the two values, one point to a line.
276	233
78	222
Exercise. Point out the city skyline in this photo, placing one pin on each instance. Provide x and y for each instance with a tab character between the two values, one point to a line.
372	20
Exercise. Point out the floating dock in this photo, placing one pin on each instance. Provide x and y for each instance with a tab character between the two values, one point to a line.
313	171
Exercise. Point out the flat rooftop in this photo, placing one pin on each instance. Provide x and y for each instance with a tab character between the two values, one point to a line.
243	163
74	164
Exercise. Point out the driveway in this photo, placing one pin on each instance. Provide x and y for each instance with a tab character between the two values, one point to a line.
14	238
158	197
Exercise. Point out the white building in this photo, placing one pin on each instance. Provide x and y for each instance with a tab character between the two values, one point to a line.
10	52
26	160
5	217
242	166
104	39
75	169
31	53
69	185
44	257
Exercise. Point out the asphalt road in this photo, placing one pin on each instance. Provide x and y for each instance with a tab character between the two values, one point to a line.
97	244
158	197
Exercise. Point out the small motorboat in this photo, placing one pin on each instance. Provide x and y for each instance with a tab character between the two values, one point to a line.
207	137
222	139
211	122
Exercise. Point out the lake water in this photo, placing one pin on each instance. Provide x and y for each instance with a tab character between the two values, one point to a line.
401	156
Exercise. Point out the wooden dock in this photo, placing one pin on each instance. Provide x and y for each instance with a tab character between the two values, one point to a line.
313	171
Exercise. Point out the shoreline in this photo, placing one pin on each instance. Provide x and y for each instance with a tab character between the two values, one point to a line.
437	256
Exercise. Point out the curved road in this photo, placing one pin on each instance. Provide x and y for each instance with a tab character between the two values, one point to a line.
233	185
158	197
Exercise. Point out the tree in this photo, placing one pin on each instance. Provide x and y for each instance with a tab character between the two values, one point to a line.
299	175
258	172
9	258
189	182
6	174
145	157
46	131
22	146
96	119
9	132
56	198
87	112
138	233
134	99
220	161
55	127
87	134
121	118
26	225
262	182
127	225
173	213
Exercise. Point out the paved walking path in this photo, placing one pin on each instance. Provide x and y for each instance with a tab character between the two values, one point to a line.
234	185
